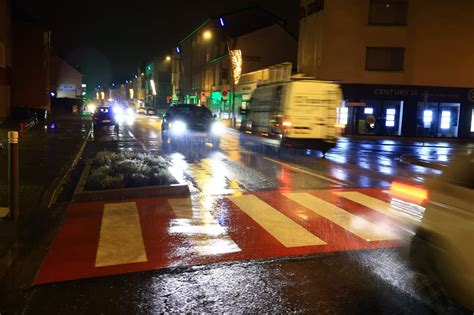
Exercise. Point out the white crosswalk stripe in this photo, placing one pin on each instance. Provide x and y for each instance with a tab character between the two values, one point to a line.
352	223
121	239
378	205
284	229
196	222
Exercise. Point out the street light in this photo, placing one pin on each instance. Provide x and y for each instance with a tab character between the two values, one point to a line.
168	58
207	35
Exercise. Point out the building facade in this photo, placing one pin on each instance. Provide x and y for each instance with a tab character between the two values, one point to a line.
208	63
406	66
31	86
5	59
158	88
66	81
66	86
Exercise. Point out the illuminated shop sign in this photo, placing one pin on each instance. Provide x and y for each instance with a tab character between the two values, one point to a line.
67	87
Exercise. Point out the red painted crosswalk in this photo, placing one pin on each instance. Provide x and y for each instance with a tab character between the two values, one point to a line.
107	238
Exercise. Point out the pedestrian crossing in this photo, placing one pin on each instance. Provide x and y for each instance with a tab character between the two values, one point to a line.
107	238
120	238
282	228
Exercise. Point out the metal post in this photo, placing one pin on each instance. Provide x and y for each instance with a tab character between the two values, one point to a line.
13	174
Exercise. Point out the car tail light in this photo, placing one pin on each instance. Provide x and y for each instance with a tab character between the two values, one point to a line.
408	192
286	123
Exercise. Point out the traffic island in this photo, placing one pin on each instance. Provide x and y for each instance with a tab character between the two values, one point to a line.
126	175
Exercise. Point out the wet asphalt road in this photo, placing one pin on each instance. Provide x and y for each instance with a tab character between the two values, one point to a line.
357	282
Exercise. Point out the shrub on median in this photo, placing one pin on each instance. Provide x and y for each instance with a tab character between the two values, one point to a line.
126	170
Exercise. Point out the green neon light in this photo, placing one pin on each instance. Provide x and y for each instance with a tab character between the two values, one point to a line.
216	95
195	31
219	58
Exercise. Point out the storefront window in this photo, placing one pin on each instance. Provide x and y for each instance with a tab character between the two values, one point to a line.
393	117
449	120
381	118
342	114
472	120
438	119
427	118
390	117
369	117
445	119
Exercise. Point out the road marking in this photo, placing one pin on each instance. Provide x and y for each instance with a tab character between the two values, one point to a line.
354	224
206	235
374	204
138	141
182	207
285	230
306	172
121	240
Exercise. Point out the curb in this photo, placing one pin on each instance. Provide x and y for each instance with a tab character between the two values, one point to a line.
408	139
53	192
409	160
125	193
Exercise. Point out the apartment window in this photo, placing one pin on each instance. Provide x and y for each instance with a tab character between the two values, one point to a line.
388	12
385	58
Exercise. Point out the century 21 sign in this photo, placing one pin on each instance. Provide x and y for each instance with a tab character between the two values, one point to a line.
311	8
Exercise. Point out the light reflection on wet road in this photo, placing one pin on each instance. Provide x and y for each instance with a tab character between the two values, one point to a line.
375	281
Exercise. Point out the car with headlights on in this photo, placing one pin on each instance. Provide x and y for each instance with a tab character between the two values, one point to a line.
103	116
190	123
442	250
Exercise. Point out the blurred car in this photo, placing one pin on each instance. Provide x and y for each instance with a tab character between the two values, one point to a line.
141	110
150	111
123	115
146	111
186	123
443	248
302	114
103	116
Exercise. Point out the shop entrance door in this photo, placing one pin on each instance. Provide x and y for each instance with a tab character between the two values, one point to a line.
438	119
448	120
393	113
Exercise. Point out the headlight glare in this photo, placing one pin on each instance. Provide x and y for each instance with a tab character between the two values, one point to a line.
178	127
217	128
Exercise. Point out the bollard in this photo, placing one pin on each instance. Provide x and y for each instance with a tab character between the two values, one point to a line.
13	174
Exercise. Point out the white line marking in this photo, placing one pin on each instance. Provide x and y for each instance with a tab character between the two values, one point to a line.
282	228
376	204
121	239
206	235
353	223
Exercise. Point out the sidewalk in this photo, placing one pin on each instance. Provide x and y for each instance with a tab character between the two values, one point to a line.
45	156
387	140
437	162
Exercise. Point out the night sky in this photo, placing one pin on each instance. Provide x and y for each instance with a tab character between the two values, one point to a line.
109	39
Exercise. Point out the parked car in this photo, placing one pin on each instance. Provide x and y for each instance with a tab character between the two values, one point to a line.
103	116
443	248
187	123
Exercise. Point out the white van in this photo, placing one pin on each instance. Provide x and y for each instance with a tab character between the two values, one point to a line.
296	114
